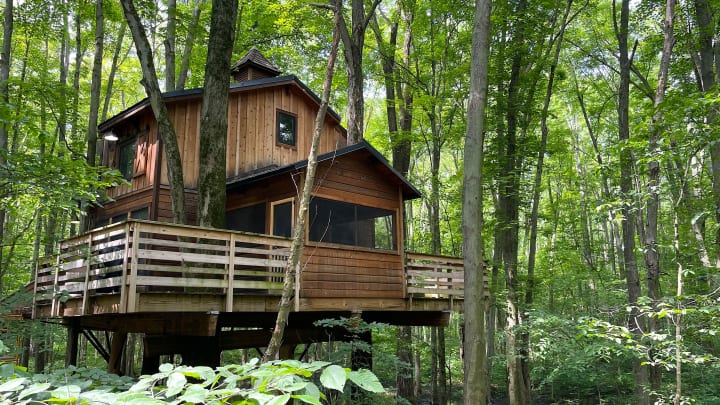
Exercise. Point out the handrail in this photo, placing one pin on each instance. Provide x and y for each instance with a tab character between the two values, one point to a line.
137	257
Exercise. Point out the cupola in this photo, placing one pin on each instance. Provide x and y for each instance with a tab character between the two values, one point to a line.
253	66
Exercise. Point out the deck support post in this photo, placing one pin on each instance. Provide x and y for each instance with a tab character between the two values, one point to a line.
287	351
206	353
117	347
73	335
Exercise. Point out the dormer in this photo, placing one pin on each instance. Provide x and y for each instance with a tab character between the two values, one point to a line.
253	66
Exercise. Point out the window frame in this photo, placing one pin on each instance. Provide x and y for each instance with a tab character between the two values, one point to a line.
278	114
271	228
131	144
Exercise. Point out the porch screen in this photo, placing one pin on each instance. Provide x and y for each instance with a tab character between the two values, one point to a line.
352	224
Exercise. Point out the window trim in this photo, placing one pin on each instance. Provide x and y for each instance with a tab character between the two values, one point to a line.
278	142
131	140
271	227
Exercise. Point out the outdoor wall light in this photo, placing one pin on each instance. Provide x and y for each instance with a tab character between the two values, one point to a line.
110	136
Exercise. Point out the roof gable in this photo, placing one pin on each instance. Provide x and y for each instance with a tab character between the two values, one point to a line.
409	191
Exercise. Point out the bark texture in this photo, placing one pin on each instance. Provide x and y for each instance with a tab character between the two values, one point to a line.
165	126
476	385
213	115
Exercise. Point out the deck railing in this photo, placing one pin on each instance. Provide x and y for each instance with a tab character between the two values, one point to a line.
136	256
434	276
140	256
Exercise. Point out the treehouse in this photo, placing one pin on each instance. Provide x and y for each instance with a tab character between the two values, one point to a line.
186	287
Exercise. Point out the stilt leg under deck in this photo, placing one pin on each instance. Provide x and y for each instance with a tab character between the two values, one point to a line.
116	350
71	350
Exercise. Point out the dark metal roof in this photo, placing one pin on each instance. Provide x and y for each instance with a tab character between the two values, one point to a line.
257	59
409	191
245	85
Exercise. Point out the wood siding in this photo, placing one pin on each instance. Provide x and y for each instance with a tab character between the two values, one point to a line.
145	128
251	142
347	272
355	180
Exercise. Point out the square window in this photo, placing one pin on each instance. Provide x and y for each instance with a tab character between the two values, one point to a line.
286	128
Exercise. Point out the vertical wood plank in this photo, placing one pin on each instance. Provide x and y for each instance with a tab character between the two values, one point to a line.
55	303
88	255
132	277
124	276
231	275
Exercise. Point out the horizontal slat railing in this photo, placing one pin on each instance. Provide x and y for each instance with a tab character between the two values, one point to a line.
136	257
431	276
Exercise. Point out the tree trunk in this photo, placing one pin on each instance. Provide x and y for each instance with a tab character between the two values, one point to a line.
650	251
476	386
113	70
189	44
292	269
635	320
169	44
353	44
213	116
165	127
529	290
96	82
5	97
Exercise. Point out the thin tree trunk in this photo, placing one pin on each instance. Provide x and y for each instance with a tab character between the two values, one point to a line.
169	44
292	269
95	83
213	115
650	251
353	44
476	386
189	44
5	98
113	70
635	321
165	127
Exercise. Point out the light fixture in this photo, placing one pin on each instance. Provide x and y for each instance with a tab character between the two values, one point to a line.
110	136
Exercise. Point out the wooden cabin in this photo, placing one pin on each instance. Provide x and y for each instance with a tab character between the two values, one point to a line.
136	272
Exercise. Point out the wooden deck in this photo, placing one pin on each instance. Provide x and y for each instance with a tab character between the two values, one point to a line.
151	267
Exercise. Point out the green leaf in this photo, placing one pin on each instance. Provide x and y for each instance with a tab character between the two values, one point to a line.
175	383
334	377
166	368
33	389
66	392
6	370
194	393
366	380
308	399
281	400
13	385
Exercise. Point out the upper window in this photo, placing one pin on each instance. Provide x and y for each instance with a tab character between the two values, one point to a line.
286	128
126	158
351	224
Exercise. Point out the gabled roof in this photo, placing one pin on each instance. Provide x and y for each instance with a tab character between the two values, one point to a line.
409	191
256	59
197	92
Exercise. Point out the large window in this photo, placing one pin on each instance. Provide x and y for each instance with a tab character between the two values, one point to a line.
351	224
248	219
286	128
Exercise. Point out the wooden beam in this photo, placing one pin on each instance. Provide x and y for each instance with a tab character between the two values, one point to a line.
172	323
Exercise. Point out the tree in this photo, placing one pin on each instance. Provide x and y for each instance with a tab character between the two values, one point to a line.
292	268
353	39
213	115
635	320
4	98
165	127
476	384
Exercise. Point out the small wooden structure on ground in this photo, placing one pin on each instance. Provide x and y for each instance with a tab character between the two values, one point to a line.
197	291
